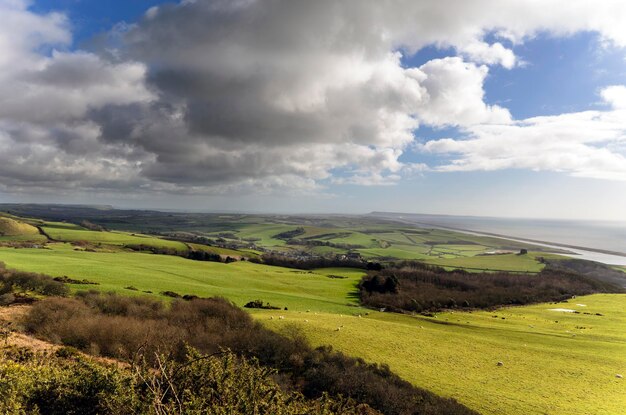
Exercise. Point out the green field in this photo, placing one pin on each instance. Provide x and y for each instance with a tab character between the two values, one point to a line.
12	229
72	233
375	241
565	367
240	281
554	362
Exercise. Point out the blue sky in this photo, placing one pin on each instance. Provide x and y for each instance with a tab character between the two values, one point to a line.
91	17
463	139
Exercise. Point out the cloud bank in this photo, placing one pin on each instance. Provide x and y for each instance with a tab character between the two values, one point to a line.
220	96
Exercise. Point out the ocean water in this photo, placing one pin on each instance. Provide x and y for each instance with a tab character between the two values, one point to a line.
599	235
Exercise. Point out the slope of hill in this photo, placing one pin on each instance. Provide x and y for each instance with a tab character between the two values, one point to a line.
12	227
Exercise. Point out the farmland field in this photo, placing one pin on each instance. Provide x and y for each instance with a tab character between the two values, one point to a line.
240	281
553	362
567	367
74	234
373	238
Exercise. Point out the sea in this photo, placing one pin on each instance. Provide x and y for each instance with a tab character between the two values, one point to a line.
601	241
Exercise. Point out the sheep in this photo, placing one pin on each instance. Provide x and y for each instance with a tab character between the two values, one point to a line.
281	317
619	376
500	364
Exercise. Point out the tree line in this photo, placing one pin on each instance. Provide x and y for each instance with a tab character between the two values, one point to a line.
417	287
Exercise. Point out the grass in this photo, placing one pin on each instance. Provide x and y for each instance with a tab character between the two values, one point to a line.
546	368
240	281
549	367
12	227
553	368
264	233
73	233
506	262
223	251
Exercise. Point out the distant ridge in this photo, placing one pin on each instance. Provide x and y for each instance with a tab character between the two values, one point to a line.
5	206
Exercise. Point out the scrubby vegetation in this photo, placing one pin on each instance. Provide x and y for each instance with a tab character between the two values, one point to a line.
13	281
115	326
308	263
260	304
290	234
416	287
193	254
67	280
68	383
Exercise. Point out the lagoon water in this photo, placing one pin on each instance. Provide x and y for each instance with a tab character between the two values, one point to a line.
595	235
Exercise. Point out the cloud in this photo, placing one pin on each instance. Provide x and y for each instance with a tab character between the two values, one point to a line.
615	95
584	144
216	95
46	138
455	94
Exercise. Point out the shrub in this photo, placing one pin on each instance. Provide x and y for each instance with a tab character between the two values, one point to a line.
121	327
12	280
260	304
418	287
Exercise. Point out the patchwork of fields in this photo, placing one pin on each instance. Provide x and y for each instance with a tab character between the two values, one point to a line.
553	362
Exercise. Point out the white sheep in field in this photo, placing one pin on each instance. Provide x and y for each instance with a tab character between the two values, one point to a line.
281	317
619	376
500	363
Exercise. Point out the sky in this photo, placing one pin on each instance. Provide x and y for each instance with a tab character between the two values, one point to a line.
479	107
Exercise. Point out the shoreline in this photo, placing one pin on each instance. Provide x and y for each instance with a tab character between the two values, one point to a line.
604	256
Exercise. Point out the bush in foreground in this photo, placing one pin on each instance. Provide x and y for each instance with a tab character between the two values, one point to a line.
67	383
13	281
120	327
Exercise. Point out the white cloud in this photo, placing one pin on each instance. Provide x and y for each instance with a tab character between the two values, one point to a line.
584	144
46	138
615	95
455	94
211	95
490	54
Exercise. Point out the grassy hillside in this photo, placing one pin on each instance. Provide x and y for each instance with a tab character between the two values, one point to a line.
554	362
73	233
239	281
12	229
374	238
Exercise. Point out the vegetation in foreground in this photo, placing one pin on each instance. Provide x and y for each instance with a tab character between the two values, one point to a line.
67	382
416	287
115	326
